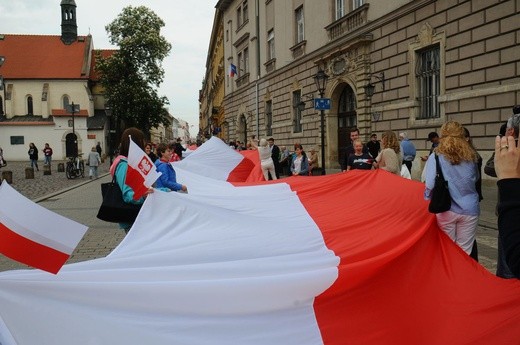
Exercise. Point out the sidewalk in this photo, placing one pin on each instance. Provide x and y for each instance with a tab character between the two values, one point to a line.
43	185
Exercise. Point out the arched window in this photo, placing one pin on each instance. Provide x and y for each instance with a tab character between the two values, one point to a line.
66	101
30	105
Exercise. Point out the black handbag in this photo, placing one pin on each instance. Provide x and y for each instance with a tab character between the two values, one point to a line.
113	208
440	200
489	167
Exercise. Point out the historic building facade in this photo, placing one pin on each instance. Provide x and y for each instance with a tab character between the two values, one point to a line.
211	117
406	65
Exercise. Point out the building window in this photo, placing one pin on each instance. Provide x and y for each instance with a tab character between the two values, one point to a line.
297	122
17	140
239	64
1	106
270	45
340	9
66	102
300	27
427	74
269	118
30	110
239	16
243	62
245	13
357	3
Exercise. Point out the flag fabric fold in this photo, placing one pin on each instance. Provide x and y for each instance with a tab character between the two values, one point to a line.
232	70
349	258
34	235
141	173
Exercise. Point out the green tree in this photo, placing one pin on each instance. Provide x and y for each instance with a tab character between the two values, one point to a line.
132	74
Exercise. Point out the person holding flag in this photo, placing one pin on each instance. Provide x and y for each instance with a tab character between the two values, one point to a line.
129	167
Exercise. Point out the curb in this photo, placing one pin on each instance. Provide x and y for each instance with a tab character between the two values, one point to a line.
53	194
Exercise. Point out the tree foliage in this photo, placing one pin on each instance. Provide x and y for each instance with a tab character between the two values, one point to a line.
133	73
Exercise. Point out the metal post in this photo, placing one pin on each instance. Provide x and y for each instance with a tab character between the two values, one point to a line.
74	132
322	119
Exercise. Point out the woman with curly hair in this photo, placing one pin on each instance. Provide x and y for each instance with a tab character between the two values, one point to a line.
457	161
389	158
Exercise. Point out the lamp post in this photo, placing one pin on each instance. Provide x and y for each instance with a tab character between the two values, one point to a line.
108	113
321	82
74	108
2	110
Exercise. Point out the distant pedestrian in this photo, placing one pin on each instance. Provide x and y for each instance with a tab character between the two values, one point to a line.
98	148
47	154
149	151
2	160
178	148
93	161
389	158
33	156
408	150
374	146
300	162
360	160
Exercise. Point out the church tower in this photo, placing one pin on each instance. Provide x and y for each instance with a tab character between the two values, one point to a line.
69	28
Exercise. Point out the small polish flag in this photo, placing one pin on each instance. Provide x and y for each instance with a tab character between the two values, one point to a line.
141	173
33	235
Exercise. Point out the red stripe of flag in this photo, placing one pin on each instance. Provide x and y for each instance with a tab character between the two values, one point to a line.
136	181
242	170
31	253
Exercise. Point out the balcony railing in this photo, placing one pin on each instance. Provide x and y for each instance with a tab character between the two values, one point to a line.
348	23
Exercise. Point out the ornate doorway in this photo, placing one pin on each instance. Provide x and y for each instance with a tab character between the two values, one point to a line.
347	118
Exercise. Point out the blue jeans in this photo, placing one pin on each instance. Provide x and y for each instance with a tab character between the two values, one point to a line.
93	171
47	160
34	163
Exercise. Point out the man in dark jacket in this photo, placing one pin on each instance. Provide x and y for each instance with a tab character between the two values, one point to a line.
178	148
275	155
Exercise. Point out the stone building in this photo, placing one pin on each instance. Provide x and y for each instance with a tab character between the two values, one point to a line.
211	117
43	75
425	61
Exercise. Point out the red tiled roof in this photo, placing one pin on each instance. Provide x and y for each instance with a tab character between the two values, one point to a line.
44	57
104	53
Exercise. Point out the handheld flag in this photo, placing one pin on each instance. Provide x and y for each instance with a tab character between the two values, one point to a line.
44	240
232	70
141	173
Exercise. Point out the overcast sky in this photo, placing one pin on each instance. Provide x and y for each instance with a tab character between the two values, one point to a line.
188	28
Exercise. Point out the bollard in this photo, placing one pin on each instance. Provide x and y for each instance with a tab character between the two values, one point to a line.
46	169
61	167
29	173
8	176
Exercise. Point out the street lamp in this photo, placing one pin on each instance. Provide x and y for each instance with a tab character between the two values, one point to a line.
108	113
74	108
2	109
321	82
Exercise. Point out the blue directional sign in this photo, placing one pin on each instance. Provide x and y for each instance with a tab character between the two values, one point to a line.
322	103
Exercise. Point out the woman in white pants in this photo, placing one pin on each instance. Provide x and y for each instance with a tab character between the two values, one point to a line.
458	163
266	161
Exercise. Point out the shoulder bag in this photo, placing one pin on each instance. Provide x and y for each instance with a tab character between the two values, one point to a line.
113	208
440	197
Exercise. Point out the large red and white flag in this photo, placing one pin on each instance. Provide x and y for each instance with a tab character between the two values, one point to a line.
141	173
34	235
349	258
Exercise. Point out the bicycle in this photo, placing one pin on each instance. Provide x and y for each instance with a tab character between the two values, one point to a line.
75	167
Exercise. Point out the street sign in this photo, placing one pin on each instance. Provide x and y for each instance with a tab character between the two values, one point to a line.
72	108
322	103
